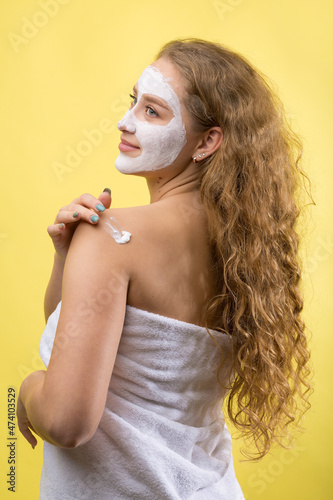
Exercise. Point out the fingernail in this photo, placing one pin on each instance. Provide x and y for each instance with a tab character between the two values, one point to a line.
100	207
61	225
94	218
75	214
108	190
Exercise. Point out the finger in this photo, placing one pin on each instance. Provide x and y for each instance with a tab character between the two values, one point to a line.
26	432
69	214
30	438
105	198
56	229
77	213
89	201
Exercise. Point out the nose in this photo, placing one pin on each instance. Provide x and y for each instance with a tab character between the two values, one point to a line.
126	124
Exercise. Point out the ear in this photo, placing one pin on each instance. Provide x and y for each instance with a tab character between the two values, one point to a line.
210	141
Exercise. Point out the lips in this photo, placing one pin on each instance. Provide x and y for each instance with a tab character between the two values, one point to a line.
127	146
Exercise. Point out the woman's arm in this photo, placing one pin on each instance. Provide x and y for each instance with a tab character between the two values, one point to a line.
53	291
61	232
65	405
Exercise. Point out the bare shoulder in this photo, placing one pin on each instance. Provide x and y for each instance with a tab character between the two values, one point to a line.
120	235
129	227
130	238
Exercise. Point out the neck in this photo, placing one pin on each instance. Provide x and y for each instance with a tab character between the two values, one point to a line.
164	183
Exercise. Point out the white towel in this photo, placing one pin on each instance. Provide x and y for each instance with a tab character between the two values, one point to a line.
162	435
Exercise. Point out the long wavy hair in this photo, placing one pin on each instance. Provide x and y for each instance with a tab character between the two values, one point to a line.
248	190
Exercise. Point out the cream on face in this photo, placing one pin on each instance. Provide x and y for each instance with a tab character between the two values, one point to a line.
160	144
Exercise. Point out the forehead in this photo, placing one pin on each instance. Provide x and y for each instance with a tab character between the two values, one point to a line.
171	73
152	81
161	79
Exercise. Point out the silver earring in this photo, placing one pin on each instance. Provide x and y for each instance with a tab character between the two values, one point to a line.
203	154
199	156
195	159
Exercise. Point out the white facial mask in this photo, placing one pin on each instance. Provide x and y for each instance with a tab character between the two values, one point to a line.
161	144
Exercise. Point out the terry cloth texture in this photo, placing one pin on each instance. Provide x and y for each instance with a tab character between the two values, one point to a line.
162	435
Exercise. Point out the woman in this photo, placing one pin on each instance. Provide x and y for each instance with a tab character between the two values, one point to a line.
167	307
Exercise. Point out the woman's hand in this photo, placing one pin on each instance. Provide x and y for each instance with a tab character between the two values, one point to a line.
30	384
24	425
86	207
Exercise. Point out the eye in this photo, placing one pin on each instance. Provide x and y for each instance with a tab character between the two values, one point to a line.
151	111
134	100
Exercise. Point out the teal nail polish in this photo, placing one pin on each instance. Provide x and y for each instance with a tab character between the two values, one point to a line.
100	207
75	214
94	218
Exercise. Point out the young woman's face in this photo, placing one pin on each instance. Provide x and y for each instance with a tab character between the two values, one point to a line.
153	129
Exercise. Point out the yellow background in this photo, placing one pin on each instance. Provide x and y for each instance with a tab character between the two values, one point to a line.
69	69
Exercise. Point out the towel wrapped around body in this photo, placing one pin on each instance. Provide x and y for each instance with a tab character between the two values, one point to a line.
162	435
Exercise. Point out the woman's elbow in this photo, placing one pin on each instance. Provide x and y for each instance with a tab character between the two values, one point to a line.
71	436
68	440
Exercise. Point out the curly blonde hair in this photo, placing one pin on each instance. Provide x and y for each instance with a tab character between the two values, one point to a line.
248	189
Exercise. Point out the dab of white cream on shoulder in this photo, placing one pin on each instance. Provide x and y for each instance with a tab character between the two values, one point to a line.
119	235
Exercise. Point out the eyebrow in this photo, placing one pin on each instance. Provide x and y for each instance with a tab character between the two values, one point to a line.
153	100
